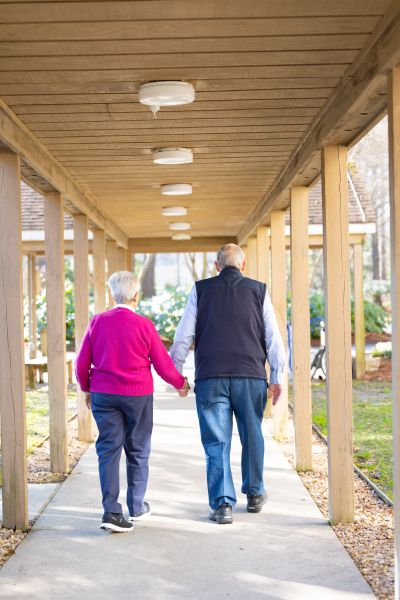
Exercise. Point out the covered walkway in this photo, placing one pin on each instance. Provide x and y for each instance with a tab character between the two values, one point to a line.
286	552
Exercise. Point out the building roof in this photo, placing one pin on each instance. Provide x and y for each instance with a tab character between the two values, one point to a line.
32	204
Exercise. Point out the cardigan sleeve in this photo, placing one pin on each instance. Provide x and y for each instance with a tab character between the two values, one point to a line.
83	362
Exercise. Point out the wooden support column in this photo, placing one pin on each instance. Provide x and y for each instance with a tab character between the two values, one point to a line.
55	306
32	295
99	270
301	327
263	256
12	369
246	268
81	289
338	333
112	257
252	257
121	259
394	175
128	260
278	297
359	325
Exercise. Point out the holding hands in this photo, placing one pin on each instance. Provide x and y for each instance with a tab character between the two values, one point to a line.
183	392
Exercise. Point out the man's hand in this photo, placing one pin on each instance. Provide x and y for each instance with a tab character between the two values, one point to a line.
274	392
183	392
88	401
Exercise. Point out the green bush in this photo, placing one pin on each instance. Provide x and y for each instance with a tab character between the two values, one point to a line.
165	310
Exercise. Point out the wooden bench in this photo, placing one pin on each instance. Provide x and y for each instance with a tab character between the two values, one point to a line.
35	367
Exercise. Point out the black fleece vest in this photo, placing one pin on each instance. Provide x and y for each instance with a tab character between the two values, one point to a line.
230	333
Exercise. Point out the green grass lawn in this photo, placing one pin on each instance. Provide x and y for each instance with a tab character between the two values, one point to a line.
372	427
37	415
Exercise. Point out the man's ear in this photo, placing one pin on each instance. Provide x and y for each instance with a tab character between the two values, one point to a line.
217	266
243	266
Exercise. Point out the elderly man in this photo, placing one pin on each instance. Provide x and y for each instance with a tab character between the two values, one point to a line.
232	321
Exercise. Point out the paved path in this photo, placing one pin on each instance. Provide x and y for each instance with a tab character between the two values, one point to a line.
286	552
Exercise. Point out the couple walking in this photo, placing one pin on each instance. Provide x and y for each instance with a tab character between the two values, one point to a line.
233	325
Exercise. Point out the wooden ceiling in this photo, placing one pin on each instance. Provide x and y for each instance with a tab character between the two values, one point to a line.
262	70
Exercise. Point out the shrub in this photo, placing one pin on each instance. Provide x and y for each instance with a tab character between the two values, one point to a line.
165	310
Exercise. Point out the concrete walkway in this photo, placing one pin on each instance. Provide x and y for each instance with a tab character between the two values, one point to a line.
287	552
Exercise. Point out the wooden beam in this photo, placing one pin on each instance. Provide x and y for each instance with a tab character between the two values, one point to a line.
301	328
394	177
56	349
196	244
338	334
81	289
278	296
359	325
32	295
99	270
252	257
362	79
19	138
12	384
263	255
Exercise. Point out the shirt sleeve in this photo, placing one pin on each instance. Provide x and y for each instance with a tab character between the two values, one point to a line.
162	361
83	362
276	354
185	331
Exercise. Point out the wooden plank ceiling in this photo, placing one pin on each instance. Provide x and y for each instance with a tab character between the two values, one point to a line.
262	71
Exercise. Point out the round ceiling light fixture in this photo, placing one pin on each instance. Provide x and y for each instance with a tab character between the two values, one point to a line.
174	211
176	189
179	226
181	236
165	93
173	156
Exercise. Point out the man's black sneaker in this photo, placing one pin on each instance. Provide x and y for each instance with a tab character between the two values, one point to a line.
145	512
116	522
255	503
222	515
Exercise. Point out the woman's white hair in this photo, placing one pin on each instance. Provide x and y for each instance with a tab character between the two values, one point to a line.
123	286
230	255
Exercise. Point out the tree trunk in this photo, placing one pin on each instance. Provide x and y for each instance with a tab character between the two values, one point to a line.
148	276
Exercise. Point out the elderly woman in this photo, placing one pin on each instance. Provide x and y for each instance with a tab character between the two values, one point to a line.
114	367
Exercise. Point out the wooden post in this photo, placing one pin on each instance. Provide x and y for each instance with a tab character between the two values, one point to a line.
32	295
112	257
301	327
394	177
55	306
263	256
12	369
246	269
359	325
338	333
278	297
252	257
99	270
81	289
121	259
128	261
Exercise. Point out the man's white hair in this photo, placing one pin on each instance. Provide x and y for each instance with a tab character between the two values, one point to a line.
230	255
123	286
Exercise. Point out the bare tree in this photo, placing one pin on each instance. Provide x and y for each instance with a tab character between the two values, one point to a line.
147	278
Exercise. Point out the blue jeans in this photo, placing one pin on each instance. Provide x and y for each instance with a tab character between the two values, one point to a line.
123	421
217	399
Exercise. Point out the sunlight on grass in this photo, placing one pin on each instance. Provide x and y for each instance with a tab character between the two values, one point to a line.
372	428
37	415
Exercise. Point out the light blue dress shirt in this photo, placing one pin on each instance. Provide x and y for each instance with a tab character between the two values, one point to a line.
185	331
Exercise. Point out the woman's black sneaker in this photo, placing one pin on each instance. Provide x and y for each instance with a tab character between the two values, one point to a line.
145	512
255	503
116	522
222	515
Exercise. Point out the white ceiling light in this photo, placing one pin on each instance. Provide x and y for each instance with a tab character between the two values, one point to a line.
165	93
179	226
181	236
176	189
174	211
173	156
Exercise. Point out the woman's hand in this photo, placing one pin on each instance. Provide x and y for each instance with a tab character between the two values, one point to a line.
88	401
183	392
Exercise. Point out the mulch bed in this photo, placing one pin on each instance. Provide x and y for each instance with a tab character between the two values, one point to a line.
370	539
384	373
39	472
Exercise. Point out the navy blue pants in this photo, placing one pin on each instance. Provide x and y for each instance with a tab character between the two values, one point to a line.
218	399
123	421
